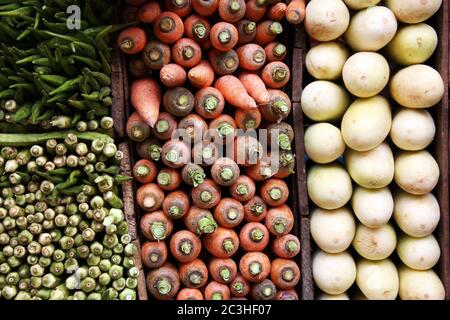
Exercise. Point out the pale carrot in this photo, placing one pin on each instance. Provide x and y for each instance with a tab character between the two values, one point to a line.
202	75
146	99
172	75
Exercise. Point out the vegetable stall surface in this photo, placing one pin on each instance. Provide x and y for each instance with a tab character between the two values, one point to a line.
208	87
387	91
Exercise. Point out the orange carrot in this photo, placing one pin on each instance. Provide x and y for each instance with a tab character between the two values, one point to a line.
222	243
254	236
176	204
246	30
168	179
287	246
205	7
156	55
181	7
232	10
295	12
156	226
149	149
224	36
222	129
144	171
255	10
149	12
217	291
197	28
251	56
247	150
132	40
281	135
225	171
137	68
154	254
286	164
205	153
279	220
189	294
175	153
185	246
168	27
243	189
165	126
222	270
193	174
267	31
276	74
255	210
254	266
202	75
178	101
193	274
223	62
234	92
209	102
278	107
186	52
172	75
146	99
130	14
262	170
163	283
207	195
284	273
276	11
247	119
193	128
264	290
255	87
286	295
274	192
199	221
150	197
137	130
239	287
275	51
229	213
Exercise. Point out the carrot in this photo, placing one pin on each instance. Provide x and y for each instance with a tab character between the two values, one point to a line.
137	130
156	226
205	153
278	107
276	11
222	270
286	295
163	283
279	220
251	56
168	27
281	135
232	10
176	204
224	36
202	75
276	74
223	62
246	30
209	102
137	68
181	7
193	274
284	273
149	12
205	7
197	28
130	14
132	40
267	31
255	87
192	128
168	179
172	75
186	52
146	99
255	210
239	287
222	129
206	45
149	149
287	246
254	236
207	195
154	254
264	290
243	189
189	294
229	213
199	221
217	291
286	163
254	266
156	55
222	243
225	171
262	170
247	119
185	246
175	153
247	150
275	51
144	171
193	174
255	10
149	197
234	92
178	101
165	126
295	12
274	192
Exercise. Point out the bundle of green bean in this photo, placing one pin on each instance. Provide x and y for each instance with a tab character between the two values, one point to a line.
62	228
51	73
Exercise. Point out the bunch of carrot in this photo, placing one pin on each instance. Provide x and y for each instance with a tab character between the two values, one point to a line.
216	227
